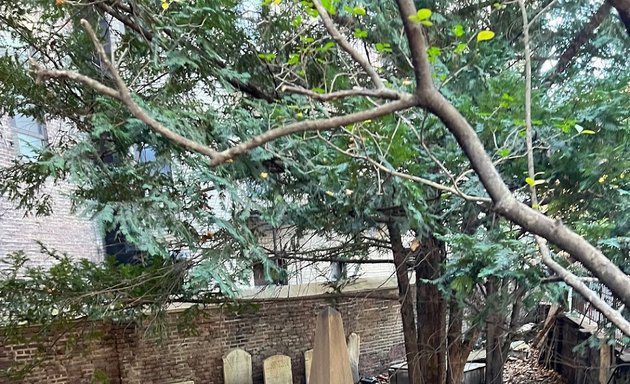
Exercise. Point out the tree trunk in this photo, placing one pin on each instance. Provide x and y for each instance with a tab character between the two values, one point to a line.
623	8
431	312
406	303
495	357
456	354
583	37
459	344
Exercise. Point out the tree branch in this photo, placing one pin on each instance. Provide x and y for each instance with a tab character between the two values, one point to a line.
43	74
572	280
419	59
623	8
382	93
614	316
345	45
216	158
416	179
407	101
582	38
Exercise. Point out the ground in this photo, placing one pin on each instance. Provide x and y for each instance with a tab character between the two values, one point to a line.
528	371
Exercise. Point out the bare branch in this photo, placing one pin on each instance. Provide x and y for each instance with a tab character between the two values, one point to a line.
542	12
528	106
123	94
509	207
345	45
558	278
43	74
612	315
407	101
417	179
134	108
382	93
415	37
582	38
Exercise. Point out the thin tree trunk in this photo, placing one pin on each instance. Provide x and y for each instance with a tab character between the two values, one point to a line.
406	303
623	8
495	357
459	344
431	312
582	37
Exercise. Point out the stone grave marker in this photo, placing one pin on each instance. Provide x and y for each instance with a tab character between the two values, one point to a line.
331	363
237	367
354	343
277	370
308	359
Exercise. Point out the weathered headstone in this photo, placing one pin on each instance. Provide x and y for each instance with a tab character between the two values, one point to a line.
354	349
237	367
308	359
277	370
331	363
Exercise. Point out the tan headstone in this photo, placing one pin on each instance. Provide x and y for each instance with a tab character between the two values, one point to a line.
331	363
308	359
237	367
354	350
277	370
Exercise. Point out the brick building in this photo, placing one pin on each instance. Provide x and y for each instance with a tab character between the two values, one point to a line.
76	235
68	232
63	230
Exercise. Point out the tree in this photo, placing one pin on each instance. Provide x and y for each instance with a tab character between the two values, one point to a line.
310	88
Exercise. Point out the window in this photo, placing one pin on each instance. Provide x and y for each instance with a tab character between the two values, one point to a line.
145	154
31	136
278	273
338	270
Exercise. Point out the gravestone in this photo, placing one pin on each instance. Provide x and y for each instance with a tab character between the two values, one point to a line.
354	343
308	359
277	370
237	367
331	363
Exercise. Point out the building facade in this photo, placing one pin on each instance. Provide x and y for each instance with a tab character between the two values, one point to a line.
63	230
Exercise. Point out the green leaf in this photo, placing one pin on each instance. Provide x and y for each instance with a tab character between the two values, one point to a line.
461	47
329	45
504	152
267	56
426	23
458	30
359	11
294	58
383	48
485	35
422	14
330	6
297	21
433	53
532	182
360	33
587	132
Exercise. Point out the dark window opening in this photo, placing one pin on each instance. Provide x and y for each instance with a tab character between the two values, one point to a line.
278	273
338	270
123	251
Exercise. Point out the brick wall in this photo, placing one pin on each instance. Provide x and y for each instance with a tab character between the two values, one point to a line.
63	230
263	329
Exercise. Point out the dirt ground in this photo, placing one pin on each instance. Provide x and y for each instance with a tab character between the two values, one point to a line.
528	371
